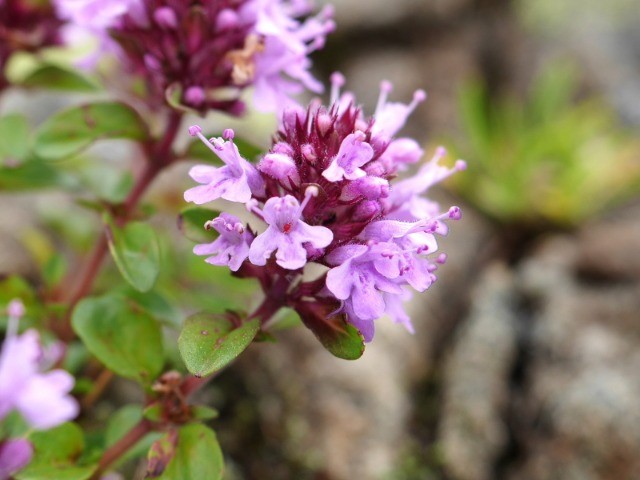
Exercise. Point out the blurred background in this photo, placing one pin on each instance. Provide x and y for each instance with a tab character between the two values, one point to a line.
525	364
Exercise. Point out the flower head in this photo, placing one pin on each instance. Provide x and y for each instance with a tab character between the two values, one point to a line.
231	248
328	197
41	397
208	51
287	234
26	26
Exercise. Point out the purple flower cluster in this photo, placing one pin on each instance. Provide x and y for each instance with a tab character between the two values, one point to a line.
26	25
324	190
41	397
209	50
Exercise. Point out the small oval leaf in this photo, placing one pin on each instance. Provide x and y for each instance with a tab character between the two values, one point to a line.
70	131
56	77
121	336
136	251
208	342
56	452
197	455
340	338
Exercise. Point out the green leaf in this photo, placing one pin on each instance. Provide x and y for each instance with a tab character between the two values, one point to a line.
56	77
70	131
136	251
124	338
106	182
33	174
156	304
200	412
14	139
208	342
191	223
54	269
336	335
153	412
197	455
56	451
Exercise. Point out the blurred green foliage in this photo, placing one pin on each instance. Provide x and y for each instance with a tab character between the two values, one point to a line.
547	160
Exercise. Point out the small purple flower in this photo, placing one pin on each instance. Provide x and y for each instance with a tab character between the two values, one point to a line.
405	201
42	398
237	181
354	153
281	167
391	117
358	282
231	248
202	49
15	454
287	233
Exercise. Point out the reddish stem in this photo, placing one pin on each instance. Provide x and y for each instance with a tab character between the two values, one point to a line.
122	446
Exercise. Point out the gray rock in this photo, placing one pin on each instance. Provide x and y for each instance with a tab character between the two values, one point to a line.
473	432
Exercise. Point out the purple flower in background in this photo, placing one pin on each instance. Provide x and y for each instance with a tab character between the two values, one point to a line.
231	248
26	26
15	454
41	397
287	233
206	52
236	181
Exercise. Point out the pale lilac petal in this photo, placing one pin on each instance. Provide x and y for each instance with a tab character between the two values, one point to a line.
395	309
202	173
401	152
367	301
365	327
354	152
223	184
318	236
291	254
44	402
344	253
340	281
263	246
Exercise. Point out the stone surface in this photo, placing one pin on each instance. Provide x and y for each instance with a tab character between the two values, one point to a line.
476	385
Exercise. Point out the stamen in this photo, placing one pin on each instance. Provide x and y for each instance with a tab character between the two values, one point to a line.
337	82
419	96
311	191
15	311
385	89
228	134
455	213
252	206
